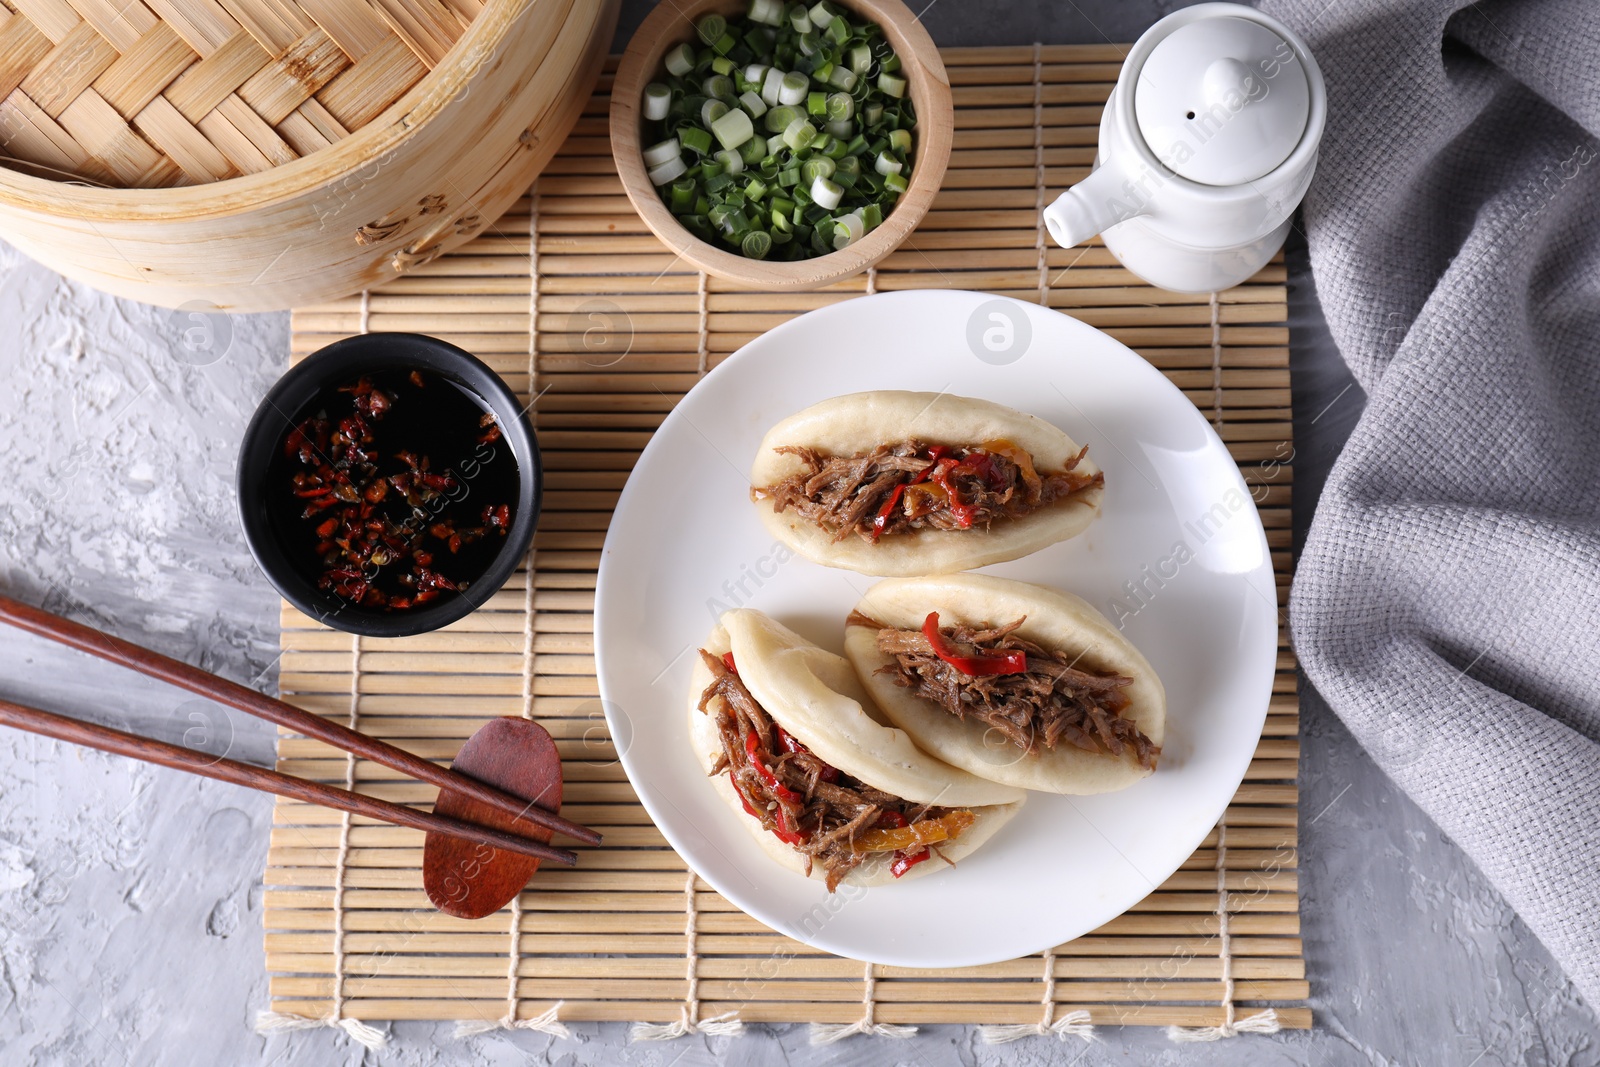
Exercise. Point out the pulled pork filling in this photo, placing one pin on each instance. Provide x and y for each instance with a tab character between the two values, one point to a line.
1034	696
910	485
822	813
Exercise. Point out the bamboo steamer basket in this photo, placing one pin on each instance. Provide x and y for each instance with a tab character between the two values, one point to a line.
258	154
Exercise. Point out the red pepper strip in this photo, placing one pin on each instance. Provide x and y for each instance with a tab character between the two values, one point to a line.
964	513
742	798
903	863
829	774
881	523
727	661
1005	663
781	791
893	820
785	831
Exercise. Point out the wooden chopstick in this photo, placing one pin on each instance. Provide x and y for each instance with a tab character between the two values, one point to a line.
149	750
231	694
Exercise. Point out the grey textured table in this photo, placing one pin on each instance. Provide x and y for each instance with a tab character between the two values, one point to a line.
130	896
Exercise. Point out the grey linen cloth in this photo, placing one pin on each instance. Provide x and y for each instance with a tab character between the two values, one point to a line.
1447	602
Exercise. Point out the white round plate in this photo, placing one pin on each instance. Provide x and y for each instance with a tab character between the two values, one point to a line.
1178	558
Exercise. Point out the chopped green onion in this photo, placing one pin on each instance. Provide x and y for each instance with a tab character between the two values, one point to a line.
680	60
657	99
821	15
683	195
753	151
817	104
792	89
860	58
722	65
900	140
756	244
841	106
767	12
695	140
817	167
799	134
711	28
711	111
718	87
892	85
800	19
771	86
825	193
895	183
778	119
842	78
755	189
887	164
670	171
753	105
731	161
658	154
847	230
733	129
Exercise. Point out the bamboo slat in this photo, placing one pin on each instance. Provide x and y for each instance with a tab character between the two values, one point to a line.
607	940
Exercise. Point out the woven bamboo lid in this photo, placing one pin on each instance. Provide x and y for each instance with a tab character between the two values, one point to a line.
150	93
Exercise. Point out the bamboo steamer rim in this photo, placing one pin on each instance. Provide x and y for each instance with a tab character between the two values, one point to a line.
421	104
930	92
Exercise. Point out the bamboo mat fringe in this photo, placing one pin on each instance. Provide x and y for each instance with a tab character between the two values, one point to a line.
547	1022
1072	1024
867	1026
601	330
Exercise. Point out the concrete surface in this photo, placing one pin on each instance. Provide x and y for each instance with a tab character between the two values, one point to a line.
130	896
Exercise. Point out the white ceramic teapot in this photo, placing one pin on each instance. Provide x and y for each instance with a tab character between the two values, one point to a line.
1207	144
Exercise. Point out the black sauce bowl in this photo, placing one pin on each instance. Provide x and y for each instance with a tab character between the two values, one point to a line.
341	363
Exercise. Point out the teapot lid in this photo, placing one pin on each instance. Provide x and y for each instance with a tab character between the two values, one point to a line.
1222	101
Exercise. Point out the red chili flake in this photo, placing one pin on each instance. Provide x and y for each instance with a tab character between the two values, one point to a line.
364	534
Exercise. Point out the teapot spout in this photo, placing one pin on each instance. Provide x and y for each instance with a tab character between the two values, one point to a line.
1088	208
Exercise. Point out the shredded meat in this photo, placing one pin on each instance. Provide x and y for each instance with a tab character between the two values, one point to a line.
1050	702
910	485
819	810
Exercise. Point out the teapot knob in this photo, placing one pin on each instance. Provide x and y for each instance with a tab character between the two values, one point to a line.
1226	81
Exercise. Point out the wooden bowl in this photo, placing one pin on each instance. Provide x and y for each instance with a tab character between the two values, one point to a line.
672	23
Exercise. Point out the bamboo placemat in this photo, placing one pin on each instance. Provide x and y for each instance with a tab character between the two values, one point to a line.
622	331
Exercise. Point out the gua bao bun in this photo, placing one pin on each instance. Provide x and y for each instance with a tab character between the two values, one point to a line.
1028	484
1005	722
813	695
